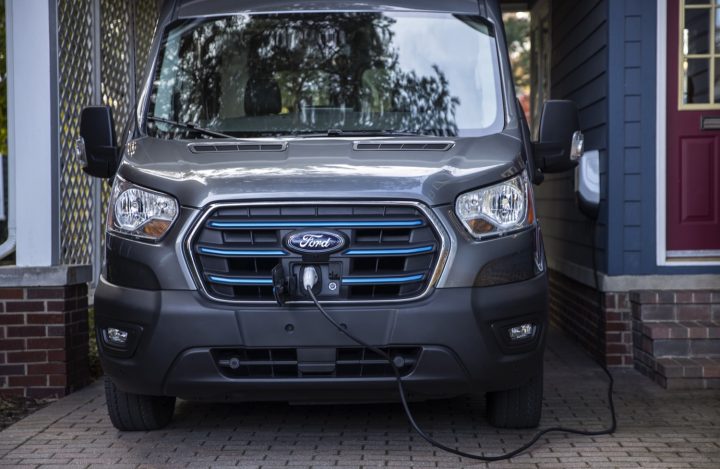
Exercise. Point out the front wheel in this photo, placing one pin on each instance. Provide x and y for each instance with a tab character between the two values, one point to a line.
517	408
135	412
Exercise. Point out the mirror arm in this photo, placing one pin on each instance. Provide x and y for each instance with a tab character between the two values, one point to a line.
560	142
549	154
103	155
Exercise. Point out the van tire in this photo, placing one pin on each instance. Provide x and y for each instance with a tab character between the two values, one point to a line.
517	408
135	412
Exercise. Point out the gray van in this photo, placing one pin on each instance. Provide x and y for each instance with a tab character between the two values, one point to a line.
375	147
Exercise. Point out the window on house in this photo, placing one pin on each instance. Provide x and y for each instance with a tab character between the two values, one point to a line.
700	54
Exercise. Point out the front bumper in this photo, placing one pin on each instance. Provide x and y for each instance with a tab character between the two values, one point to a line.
459	330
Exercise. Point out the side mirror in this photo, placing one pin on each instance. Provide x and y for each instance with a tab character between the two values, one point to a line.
561	144
96	149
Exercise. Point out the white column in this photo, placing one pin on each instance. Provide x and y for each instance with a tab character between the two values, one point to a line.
32	128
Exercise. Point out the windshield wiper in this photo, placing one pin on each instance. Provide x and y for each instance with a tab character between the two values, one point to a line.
358	133
190	126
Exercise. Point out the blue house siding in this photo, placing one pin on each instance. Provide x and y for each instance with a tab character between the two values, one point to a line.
604	58
579	73
632	151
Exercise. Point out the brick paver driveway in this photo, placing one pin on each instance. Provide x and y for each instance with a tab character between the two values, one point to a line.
657	428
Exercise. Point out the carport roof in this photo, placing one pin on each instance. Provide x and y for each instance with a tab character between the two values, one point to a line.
195	8
517	5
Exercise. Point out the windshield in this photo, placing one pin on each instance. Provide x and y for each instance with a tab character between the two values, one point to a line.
308	73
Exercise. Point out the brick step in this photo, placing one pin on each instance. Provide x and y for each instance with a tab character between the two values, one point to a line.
690	384
680	372
681	329
696	367
678	338
677	312
662	348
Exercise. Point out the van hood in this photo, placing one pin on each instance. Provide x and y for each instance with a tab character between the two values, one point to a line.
321	169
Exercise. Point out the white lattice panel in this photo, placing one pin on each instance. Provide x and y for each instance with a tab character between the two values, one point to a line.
122	37
76	68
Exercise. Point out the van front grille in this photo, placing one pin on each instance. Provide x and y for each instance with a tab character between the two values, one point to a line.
391	250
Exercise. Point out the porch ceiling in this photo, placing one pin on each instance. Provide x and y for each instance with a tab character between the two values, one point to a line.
517	5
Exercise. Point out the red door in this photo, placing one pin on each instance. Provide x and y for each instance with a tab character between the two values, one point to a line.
693	129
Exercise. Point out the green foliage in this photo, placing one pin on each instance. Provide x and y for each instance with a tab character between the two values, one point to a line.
517	28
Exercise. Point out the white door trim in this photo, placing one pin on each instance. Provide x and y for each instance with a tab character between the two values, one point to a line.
660	136
661	150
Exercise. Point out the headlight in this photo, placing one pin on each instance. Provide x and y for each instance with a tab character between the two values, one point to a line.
139	212
497	210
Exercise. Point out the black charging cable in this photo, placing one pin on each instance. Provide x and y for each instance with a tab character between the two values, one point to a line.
428	438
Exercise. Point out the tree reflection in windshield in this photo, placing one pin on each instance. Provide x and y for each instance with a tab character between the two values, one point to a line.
256	75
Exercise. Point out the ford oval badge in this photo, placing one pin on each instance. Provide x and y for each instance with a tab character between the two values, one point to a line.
315	242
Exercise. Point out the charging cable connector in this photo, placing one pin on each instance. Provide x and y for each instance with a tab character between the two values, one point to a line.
309	278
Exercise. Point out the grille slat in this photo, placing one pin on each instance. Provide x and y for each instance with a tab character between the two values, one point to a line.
207	250
391	252
297	223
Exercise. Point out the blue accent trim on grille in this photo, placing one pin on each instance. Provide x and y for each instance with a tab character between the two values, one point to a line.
381	280
388	252
241	253
318	224
241	281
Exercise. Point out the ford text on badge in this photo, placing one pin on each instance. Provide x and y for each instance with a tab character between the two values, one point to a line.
315	242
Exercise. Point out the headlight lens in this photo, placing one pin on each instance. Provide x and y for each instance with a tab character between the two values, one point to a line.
498	209
140	212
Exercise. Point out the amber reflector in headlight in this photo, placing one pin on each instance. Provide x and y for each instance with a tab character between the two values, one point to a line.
139	212
498	209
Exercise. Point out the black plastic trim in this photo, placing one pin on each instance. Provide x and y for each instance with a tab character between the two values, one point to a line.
459	320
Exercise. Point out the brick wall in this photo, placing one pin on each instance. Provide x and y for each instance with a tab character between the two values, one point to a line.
618	329
673	337
676	337
43	340
602	323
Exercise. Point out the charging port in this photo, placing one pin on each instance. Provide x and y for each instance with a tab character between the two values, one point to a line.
327	283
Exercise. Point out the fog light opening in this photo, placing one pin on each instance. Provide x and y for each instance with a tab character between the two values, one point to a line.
116	337
522	332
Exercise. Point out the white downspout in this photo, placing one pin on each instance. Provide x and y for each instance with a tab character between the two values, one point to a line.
8	247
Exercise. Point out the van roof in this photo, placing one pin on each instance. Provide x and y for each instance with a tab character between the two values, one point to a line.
199	8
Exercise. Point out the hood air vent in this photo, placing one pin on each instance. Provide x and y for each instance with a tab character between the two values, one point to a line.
400	146
234	147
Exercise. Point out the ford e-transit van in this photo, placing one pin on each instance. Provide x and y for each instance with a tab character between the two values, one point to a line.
375	147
